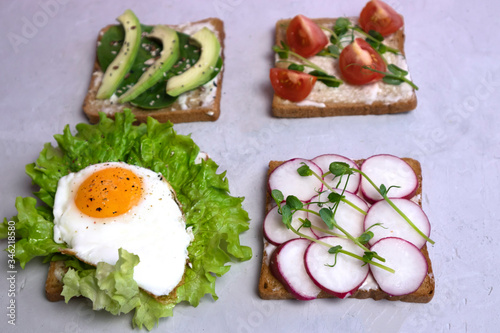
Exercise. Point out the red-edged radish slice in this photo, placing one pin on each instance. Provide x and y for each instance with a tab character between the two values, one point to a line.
408	262
346	216
324	161
345	277
394	225
276	232
286	179
287	265
390	171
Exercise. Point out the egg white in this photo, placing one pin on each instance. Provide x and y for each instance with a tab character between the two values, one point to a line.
154	229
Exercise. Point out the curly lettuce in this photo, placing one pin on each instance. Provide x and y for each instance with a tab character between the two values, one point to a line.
216	217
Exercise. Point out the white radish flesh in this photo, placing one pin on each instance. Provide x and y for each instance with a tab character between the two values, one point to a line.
287	265
286	179
390	171
345	277
346	216
324	161
394	225
408	262
276	232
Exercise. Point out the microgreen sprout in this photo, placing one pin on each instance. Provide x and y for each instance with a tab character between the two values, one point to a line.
293	204
383	190
375	39
327	214
296	67
342	29
304	171
278	198
305	223
340	32
327	79
284	52
394	76
368	234
330	51
335	251
365	237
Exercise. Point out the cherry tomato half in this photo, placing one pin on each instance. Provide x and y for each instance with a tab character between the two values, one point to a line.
292	85
305	37
356	55
381	17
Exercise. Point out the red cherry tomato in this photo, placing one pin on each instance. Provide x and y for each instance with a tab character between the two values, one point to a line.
292	85
305	37
381	17
356	55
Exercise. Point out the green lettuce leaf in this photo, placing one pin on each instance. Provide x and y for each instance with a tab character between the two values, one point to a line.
109	287
216	218
150	311
35	231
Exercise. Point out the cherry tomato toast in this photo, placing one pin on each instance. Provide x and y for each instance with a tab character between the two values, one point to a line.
380	84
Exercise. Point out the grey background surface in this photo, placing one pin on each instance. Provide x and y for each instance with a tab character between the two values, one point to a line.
452	49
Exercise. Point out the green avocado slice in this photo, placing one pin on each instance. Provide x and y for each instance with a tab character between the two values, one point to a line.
155	97
121	65
155	72
201	72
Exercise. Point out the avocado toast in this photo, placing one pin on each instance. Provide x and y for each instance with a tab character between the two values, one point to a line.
186	60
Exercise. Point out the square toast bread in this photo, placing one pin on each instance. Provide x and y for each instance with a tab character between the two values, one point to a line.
286	109
195	111
272	288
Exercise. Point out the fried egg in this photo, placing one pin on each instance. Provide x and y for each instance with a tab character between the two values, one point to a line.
109	206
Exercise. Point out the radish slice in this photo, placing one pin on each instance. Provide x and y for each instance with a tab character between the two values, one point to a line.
276	232
346	216
394	225
324	161
408	262
287	265
286	179
390	171
345	277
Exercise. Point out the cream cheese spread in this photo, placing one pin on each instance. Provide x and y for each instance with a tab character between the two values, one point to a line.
369	283
191	28
308	102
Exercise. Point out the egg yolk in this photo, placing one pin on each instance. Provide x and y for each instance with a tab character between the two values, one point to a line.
109	192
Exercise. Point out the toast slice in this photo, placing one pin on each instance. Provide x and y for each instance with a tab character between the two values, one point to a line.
271	288
192	108
376	98
54	285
